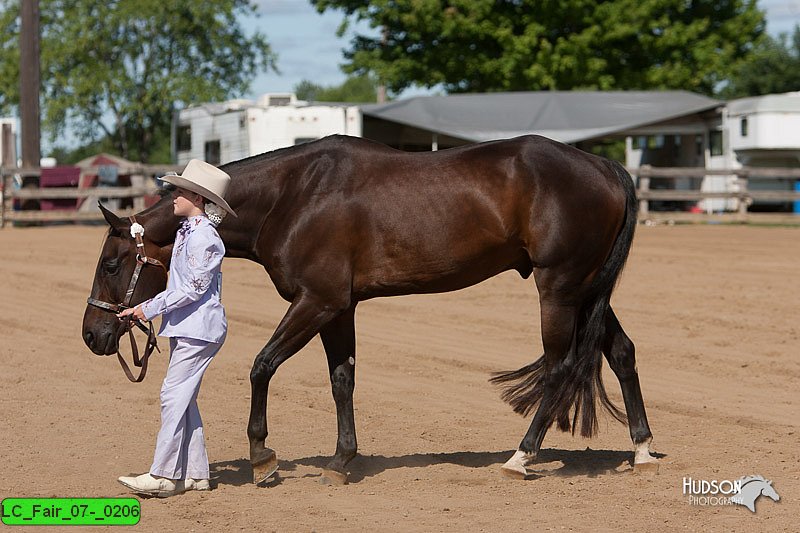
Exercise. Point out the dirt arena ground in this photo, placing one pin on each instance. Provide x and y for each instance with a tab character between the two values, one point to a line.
713	310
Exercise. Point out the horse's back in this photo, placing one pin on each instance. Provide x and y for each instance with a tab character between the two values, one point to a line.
530	192
403	222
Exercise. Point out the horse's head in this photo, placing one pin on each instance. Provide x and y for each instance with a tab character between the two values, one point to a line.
769	491
115	269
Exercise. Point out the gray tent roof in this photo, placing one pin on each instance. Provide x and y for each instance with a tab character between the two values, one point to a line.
567	116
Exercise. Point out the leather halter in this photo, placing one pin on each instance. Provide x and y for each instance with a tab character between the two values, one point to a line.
129	321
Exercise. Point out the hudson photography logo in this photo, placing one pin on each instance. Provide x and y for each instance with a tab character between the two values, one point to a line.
743	491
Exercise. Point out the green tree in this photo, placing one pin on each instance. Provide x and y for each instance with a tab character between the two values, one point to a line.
359	89
512	45
120	68
773	67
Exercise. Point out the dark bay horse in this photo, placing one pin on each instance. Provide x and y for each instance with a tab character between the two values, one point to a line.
341	220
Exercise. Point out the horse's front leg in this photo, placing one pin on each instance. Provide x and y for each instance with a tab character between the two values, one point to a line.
339	339
302	321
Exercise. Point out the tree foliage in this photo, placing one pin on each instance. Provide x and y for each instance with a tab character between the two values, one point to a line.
512	45
773	67
358	89
119	68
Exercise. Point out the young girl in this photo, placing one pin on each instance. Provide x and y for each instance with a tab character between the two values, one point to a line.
194	320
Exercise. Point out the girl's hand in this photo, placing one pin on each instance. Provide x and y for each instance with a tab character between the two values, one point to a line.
136	312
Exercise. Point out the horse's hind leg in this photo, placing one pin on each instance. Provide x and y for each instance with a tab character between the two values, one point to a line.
302	321
339	339
558	336
621	354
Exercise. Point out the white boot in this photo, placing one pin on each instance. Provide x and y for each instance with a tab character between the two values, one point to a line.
197	484
153	486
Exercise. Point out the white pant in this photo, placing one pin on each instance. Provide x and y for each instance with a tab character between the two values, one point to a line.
180	446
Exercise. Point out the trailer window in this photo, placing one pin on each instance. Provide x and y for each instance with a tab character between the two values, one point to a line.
184	138
715	142
212	152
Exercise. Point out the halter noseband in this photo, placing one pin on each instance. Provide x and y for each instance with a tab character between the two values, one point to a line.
141	260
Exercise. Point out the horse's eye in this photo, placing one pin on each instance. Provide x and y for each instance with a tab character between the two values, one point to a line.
111	266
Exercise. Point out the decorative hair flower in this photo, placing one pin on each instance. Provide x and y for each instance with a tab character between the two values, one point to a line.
215	213
136	229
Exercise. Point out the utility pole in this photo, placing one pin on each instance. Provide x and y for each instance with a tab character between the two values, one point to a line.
29	114
381	93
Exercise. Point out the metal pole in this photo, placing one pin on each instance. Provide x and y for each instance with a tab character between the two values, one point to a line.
381	92
8	161
29	86
9	141
644	188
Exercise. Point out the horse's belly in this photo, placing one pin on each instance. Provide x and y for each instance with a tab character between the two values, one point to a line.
445	272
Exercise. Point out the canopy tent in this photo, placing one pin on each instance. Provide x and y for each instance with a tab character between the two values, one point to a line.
566	116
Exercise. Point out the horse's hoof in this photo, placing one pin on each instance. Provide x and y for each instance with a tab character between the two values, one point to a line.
333	477
647	467
643	461
514	473
514	468
265	464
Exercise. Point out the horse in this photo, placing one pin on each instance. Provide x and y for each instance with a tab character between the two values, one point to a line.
753	487
342	219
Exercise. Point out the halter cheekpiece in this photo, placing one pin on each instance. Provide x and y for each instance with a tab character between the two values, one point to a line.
137	232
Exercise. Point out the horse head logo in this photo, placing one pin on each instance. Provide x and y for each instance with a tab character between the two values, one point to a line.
752	488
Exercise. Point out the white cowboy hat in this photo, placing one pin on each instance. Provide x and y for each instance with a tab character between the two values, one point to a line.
204	179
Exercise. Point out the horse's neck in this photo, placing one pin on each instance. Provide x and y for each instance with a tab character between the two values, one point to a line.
249	193
162	226
754	488
255	189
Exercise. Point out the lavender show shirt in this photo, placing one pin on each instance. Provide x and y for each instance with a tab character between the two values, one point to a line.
191	302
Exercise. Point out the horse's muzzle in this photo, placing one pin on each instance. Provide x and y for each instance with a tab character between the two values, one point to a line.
105	343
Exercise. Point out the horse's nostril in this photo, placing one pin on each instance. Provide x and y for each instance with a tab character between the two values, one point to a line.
89	338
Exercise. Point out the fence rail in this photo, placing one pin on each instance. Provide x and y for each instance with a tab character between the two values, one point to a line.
137	191
666	194
743	194
51	193
740	191
647	171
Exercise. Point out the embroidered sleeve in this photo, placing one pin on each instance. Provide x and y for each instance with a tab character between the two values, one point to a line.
201	271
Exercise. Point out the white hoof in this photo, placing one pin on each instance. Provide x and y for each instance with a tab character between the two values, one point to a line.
643	462
514	468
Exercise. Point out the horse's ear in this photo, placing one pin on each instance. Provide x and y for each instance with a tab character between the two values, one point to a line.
113	220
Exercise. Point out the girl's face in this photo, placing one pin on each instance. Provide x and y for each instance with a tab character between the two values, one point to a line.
186	203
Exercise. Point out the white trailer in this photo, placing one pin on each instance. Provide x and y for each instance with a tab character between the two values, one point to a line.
765	132
758	131
223	132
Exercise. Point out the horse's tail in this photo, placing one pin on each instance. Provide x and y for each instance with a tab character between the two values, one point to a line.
524	388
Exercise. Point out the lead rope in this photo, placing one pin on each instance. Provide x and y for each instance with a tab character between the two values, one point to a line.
151	344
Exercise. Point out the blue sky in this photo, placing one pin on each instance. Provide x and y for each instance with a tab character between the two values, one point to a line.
305	41
782	15
308	48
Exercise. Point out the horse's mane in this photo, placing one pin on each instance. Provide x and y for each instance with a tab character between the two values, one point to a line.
234	165
748	479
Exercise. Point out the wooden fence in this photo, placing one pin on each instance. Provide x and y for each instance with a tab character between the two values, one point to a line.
744	194
142	186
